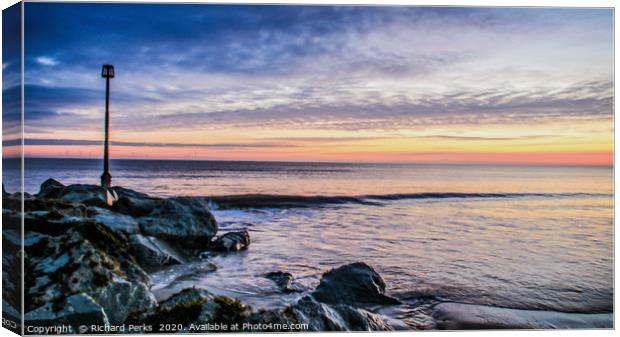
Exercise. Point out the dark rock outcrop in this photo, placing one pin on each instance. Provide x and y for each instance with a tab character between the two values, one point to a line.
85	247
50	188
231	242
4	193
179	219
284	281
185	219
75	311
192	307
149	251
339	317
310	315
355	283
90	195
89	258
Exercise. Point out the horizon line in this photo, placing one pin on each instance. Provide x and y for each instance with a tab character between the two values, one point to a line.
611	165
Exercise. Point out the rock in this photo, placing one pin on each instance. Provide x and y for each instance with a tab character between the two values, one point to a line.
11	275
322	317
180	219
273	320
10	311
125	192
231	242
90	195
195	307
152	252
121	297
115	220
183	220
50	189
284	281
76	310
88	258
195	271
310	315
355	283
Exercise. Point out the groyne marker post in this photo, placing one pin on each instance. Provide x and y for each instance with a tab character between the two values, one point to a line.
107	72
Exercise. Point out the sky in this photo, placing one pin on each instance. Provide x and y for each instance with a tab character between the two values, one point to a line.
317	83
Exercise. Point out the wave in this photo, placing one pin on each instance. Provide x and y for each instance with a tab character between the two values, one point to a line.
290	201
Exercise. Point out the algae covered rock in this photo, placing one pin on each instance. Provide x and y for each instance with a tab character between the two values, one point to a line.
355	283
193	308
91	259
75	311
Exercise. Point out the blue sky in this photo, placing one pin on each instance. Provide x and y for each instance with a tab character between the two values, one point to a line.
199	70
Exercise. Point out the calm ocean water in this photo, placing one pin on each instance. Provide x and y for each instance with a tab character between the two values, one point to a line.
517	237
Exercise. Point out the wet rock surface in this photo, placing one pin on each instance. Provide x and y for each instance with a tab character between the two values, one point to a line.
284	281
355	283
153	252
231	242
339	317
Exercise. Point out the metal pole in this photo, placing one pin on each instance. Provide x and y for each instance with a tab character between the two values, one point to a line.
106	178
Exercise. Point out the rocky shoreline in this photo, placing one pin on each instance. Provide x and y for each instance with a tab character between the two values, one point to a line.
87	250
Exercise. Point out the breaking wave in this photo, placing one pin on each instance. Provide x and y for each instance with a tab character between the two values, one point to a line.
289	201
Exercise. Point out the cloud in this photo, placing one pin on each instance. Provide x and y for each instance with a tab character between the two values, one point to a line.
46	61
202	67
83	142
472	138
576	102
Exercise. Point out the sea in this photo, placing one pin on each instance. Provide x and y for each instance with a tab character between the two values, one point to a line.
518	237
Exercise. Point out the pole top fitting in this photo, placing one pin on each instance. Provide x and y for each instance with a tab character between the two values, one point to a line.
107	71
